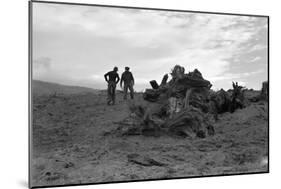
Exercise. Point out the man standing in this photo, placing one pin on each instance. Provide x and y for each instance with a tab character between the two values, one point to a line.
128	79
112	78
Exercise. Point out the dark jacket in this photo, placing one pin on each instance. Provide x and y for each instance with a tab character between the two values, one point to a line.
127	78
112	76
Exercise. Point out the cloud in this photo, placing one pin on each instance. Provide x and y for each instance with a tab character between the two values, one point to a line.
42	62
232	76
255	59
41	66
258	47
85	42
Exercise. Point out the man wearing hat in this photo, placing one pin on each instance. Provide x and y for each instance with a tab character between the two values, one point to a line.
112	78
128	79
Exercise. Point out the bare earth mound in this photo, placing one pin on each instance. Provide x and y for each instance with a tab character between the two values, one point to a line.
75	141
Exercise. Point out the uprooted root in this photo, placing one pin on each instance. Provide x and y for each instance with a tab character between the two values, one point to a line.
190	122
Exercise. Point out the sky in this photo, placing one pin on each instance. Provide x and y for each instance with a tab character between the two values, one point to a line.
77	45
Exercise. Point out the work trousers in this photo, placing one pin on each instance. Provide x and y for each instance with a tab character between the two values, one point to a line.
126	88
111	92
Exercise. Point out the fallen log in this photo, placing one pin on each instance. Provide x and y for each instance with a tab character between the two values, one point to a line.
144	160
151	95
189	81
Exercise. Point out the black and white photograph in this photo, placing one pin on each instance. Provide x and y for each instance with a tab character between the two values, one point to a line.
121	94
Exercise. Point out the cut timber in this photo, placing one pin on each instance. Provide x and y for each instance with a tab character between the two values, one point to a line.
154	84
164	80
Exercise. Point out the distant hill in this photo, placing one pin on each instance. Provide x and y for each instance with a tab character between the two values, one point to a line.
42	87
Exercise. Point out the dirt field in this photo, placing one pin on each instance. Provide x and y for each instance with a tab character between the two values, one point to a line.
71	144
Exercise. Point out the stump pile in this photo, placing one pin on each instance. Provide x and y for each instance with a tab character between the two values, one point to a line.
264	90
184	106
